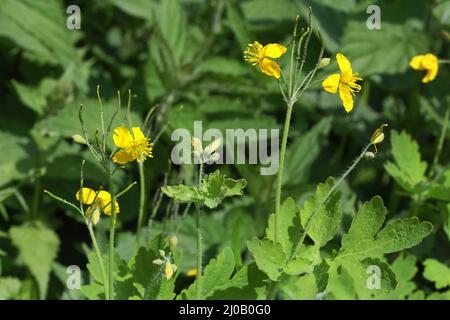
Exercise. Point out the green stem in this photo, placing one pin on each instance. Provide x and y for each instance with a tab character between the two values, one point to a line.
332	189
290	105
111	235
99	257
199	253
141	200
441	141
199	241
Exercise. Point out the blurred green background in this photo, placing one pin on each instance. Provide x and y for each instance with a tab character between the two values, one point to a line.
186	58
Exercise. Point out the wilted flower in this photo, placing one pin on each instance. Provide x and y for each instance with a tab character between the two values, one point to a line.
345	82
377	136
169	268
257	54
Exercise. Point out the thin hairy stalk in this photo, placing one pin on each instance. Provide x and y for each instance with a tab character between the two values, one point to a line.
292	64
121	193
441	141
111	235
101	119
199	240
52	195
116	112
287	122
141	199
85	135
332	189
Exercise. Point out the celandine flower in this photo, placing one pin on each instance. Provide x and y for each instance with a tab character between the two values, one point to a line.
257	54
133	145
98	201
428	62
345	82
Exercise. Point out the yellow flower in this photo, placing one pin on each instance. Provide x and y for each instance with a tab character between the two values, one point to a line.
98	201
191	272
428	62
345	82
257	54
133	145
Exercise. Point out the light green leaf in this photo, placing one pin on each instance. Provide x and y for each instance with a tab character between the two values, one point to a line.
269	257
138	8
437	272
325	212
363	241
214	188
9	287
288	233
216	277
38	247
408	169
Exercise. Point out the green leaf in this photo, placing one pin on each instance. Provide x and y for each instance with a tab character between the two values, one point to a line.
408	169
39	28
367	48
269	257
9	287
321	275
138	8
437	272
216	277
214	188
288	233
325	213
249	283
148	278
18	151
222	66
38	247
93	291
363	239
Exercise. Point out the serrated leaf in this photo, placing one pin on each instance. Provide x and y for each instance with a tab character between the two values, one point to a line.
363	241
214	188
437	272
216	277
408	169
325	212
288	233
269	257
38	247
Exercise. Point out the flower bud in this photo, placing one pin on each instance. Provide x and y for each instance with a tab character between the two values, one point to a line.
78	139
173	242
168	270
324	63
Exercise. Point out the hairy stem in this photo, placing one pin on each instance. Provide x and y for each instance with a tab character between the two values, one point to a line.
331	191
99	257
199	240
111	235
441	141
290	105
141	199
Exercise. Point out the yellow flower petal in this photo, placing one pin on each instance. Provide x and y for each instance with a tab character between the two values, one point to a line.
122	137
431	74
122	157
416	62
89	195
344	63
346	97
429	61
331	83
271	68
274	50
137	134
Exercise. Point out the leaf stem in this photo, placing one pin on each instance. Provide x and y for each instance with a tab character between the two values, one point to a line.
199	240
441	141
